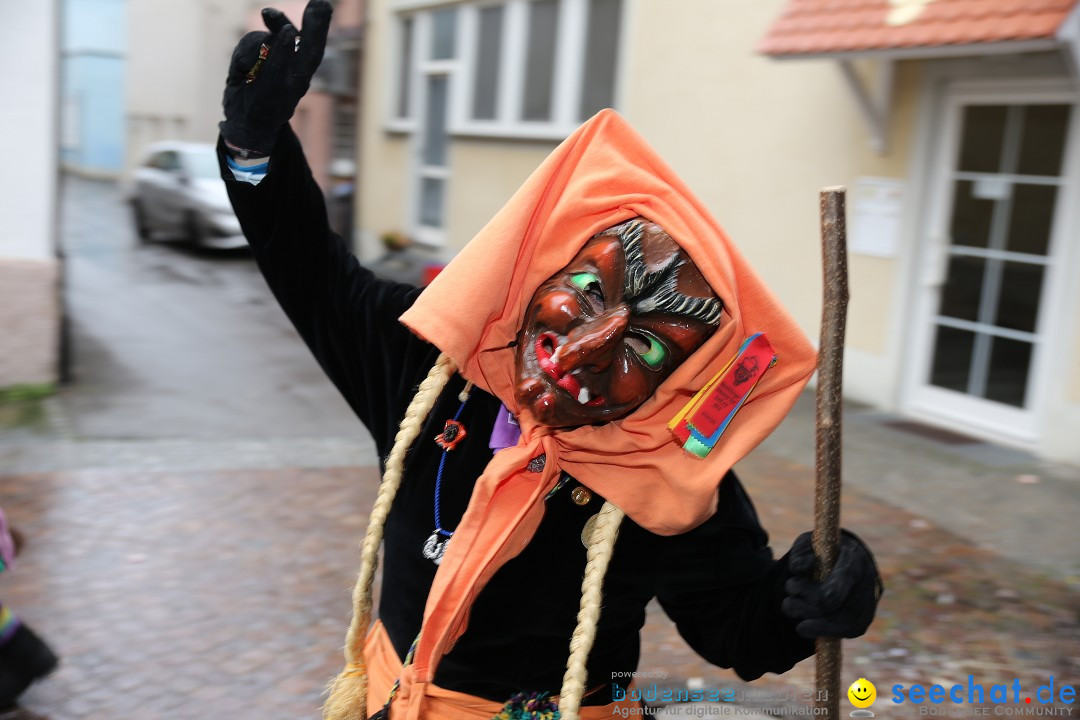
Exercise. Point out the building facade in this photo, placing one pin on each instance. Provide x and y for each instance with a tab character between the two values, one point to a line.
94	45
174	88
29	267
326	118
958	149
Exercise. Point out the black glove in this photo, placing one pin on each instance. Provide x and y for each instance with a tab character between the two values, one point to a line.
843	604
268	74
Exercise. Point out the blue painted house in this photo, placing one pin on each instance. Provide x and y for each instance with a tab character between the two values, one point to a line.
94	48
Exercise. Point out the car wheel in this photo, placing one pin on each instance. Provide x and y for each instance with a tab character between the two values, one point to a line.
138	215
193	231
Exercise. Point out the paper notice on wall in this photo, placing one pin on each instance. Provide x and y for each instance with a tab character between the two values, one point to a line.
874	219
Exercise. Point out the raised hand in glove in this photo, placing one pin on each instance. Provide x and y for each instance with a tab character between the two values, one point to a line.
843	604
268	74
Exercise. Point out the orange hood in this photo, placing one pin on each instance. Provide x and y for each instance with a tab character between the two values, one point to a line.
603	174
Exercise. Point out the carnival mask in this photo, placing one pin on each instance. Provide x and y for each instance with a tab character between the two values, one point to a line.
602	333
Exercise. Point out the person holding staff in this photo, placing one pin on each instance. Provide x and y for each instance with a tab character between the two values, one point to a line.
557	413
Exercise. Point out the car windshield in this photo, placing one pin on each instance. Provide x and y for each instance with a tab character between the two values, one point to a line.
202	164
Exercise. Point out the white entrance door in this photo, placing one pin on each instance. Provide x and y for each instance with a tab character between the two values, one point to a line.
995	222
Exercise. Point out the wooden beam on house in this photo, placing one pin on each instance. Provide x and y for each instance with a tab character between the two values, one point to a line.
875	103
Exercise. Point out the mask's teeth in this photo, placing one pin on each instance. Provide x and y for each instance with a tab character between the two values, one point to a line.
583	395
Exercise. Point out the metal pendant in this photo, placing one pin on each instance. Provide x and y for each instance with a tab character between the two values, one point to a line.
435	548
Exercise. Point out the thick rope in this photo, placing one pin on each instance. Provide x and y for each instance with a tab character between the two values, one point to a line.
348	691
601	547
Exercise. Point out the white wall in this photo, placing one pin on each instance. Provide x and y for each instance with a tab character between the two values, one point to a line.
29	299
28	172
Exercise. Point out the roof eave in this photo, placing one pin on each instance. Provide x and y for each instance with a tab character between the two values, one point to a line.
1010	47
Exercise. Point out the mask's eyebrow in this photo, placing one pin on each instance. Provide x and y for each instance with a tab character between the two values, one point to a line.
656	291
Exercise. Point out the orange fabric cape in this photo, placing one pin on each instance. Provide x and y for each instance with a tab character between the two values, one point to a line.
384	667
602	174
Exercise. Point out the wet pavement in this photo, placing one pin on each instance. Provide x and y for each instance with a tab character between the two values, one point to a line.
174	342
190	595
950	609
225	593
200	567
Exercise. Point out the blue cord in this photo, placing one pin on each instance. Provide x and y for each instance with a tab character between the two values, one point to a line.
438	482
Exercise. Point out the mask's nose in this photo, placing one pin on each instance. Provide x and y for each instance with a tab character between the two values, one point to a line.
592	345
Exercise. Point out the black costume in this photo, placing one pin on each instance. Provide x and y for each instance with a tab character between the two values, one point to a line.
719	582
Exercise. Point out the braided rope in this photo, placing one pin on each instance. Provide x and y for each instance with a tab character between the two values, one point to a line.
601	548
411	425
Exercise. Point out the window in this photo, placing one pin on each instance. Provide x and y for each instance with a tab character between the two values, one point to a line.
343	141
200	164
601	55
337	73
524	68
434	65
404	65
443	33
165	160
540	60
487	65
500	68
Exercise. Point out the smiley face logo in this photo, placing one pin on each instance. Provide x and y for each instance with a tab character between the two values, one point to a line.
862	693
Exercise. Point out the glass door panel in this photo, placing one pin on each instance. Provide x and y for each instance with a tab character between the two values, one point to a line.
1005	190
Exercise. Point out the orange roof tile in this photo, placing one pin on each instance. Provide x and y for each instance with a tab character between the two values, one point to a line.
811	27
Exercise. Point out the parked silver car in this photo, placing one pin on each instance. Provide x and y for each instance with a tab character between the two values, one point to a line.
178	194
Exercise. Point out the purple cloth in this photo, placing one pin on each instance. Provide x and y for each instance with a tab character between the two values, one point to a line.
7	545
506	432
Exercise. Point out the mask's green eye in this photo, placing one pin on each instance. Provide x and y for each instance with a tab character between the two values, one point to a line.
649	348
583	280
589	285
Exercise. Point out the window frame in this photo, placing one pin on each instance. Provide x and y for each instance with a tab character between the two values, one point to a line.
422	70
410	122
571	36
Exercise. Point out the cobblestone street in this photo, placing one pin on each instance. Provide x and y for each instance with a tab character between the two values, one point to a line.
950	608
197	595
225	593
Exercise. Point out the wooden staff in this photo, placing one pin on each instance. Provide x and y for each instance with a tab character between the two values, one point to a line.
826	537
